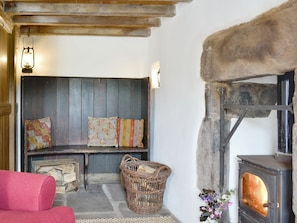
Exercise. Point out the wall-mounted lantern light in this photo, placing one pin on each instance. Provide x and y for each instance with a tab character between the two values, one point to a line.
28	60
28	57
155	75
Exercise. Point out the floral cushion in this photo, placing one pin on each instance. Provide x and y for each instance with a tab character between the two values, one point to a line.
130	132
102	131
38	133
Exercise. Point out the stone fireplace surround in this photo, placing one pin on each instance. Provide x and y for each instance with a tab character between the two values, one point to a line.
265	46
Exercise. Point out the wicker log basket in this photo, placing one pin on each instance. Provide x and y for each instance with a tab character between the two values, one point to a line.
145	183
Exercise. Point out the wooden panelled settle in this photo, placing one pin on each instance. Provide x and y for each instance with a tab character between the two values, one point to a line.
68	101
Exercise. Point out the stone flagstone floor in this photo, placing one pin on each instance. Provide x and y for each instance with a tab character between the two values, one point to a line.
102	200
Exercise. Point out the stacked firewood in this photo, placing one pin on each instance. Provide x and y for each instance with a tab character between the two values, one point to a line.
64	171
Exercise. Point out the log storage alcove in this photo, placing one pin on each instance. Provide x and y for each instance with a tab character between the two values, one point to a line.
69	101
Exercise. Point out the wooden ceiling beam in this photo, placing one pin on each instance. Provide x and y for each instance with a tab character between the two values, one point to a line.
87	17
92	31
87	21
90	9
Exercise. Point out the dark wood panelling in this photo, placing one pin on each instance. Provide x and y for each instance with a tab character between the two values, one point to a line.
70	101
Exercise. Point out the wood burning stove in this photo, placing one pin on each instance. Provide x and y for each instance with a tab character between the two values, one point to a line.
265	189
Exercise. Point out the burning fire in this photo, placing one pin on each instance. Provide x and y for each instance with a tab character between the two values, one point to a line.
254	193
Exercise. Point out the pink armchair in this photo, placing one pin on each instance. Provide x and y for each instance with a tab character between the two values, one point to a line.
28	198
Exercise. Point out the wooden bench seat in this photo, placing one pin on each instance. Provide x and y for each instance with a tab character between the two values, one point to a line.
81	150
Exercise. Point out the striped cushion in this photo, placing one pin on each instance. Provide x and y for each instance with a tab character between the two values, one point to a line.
130	132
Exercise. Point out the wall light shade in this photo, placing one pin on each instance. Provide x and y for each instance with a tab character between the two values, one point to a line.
155	75
28	60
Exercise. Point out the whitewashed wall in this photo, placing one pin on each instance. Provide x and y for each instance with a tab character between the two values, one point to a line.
84	56
178	106
89	56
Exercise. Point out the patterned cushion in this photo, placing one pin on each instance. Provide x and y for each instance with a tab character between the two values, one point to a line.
38	133
102	131
130	132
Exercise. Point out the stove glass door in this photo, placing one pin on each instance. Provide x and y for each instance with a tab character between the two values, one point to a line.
254	193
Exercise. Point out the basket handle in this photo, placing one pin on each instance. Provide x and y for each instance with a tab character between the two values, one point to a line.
127	157
156	173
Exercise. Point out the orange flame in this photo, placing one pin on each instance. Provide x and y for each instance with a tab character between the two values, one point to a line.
254	193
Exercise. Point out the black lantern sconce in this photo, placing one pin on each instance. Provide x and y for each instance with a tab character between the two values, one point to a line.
28	58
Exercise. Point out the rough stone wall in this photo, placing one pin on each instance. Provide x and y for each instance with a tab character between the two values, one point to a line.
208	165
263	46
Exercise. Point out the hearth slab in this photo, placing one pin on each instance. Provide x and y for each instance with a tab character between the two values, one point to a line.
93	200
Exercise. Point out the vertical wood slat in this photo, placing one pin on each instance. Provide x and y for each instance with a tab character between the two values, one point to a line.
124	99
100	98
36	111
75	98
50	102
99	110
112	98
136	98
62	124
87	106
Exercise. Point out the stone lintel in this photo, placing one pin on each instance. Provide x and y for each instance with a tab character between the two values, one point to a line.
264	46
